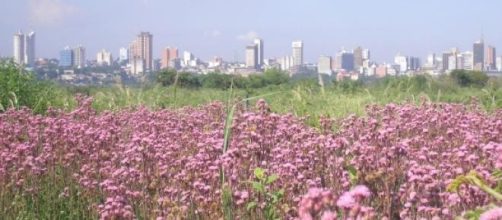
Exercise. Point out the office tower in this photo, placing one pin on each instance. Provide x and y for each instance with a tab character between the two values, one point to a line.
468	60
168	54
79	60
187	58
347	61
29	49
297	53
259	47
66	57
366	54
491	58
358	58
431	60
324	65
402	61
251	56
478	50
445	61
499	63
166	57
142	49
104	58
19	48
413	63
123	54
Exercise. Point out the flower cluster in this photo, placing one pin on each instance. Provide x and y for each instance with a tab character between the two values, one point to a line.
168	164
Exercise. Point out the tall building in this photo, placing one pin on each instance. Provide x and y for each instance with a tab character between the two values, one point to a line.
252	56
499	63
29	49
347	61
168	54
324	65
468	60
187	58
445	61
104	58
491	58
79	60
173	53
142	49
431	60
366	54
19	48
402	61
66	57
297	53
259	47
358	58
123	54
478	50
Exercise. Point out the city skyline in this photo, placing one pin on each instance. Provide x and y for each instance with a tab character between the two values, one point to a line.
230	26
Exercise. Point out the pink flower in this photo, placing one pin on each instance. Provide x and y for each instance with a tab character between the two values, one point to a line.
492	214
328	215
346	201
360	191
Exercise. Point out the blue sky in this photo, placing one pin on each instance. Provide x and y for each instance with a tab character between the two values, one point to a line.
210	28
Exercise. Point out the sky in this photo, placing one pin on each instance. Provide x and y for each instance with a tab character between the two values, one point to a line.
209	28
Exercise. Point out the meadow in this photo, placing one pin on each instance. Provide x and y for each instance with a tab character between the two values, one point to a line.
398	148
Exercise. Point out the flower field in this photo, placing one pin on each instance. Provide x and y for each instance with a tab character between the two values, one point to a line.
396	162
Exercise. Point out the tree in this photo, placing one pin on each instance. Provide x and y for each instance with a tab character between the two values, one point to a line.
469	78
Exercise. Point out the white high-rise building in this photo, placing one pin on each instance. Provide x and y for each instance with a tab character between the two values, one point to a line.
187	57
324	65
297	53
499	64
19	48
123	54
468	58
104	58
259	51
79	60
29	49
402	61
252	56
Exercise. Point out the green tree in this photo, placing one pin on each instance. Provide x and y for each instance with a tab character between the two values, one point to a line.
467	78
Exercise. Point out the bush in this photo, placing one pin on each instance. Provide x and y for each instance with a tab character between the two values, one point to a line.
467	78
19	88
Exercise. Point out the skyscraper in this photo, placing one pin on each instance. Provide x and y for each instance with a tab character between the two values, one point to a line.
478	50
347	61
358	58
251	56
123	54
142	49
324	65
29	49
168	54
19	48
66	57
104	58
79	60
259	47
491	58
297	53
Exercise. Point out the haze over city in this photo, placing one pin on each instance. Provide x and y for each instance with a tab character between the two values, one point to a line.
223	28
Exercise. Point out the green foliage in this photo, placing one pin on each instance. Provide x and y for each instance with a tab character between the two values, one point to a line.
467	78
19	88
217	80
271	199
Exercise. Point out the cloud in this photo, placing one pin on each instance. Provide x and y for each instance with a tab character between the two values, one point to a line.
50	12
249	36
213	33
